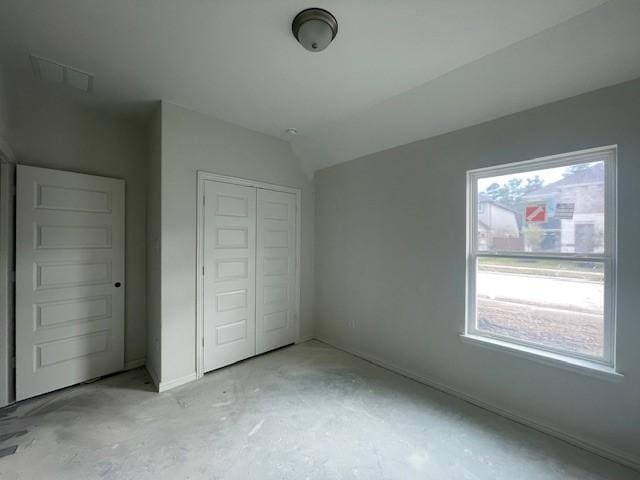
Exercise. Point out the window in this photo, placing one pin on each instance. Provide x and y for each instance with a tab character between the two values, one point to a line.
541	256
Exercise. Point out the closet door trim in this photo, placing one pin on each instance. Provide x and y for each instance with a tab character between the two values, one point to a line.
203	176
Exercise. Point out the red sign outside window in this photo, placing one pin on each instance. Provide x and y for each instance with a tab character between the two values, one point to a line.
536	213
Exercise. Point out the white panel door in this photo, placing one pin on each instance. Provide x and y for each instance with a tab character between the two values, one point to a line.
69	275
276	322
229	273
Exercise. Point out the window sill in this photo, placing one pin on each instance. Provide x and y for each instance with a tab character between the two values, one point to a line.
584	367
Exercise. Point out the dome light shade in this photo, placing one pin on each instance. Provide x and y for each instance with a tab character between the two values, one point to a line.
314	28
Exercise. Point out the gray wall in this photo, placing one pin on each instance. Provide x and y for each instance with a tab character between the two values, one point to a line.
4	106
154	245
192	142
390	264
48	130
5	148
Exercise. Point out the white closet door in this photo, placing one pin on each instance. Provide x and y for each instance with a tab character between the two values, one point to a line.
229	276
276	322
69	274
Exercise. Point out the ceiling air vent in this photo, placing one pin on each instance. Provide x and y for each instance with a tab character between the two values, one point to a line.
56	72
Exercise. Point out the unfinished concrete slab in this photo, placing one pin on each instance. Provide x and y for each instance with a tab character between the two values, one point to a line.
304	412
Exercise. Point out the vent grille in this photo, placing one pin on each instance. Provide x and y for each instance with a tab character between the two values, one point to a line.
59	73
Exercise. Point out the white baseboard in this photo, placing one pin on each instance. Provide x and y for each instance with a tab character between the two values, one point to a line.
588	445
130	365
176	382
305	339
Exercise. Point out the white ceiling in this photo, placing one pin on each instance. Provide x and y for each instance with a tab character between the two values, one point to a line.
397	71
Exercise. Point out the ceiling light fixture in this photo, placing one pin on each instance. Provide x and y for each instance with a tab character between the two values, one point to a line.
315	29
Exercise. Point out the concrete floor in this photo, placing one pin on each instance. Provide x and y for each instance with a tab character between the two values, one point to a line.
304	412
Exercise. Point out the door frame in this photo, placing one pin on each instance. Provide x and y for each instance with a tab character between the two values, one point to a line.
203	176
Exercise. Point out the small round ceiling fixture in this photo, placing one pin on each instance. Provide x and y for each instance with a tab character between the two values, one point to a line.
315	29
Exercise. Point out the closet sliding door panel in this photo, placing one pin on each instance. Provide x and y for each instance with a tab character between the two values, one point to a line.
275	270
229	291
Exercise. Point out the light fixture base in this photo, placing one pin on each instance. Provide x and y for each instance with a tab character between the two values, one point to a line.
314	15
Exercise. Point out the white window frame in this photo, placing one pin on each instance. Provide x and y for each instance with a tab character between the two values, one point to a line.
605	364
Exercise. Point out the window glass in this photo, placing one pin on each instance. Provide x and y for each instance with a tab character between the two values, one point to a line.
557	304
552	210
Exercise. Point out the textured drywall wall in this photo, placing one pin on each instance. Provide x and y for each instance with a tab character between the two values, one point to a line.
154	244
4	114
192	142
48	130
390	264
4	107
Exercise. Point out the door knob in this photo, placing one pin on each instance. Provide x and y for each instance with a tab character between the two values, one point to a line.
117	284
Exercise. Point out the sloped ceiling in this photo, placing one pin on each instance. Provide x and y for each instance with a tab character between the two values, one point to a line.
591	51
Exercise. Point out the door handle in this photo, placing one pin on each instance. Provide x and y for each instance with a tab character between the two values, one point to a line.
117	284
